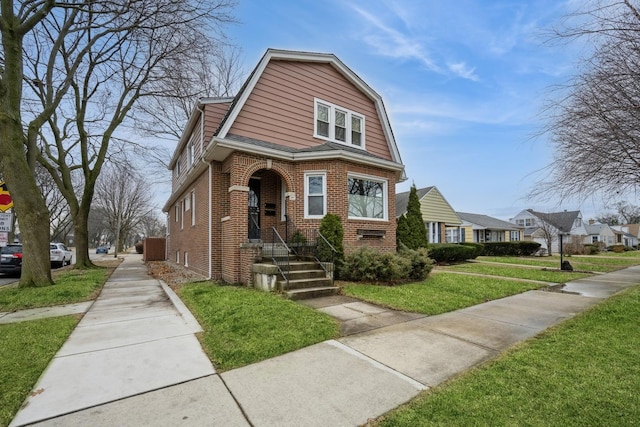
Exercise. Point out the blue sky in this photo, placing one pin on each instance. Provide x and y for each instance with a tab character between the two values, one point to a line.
463	83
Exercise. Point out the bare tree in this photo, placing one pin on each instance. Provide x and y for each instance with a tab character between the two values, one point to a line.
18	149
549	235
595	123
98	61
123	198
150	225
61	223
625	213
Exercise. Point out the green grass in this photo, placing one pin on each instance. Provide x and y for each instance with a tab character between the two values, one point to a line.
440	293
518	273
25	351
588	263
243	325
70	286
583	372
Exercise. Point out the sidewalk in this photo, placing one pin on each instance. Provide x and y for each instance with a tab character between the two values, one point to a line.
134	360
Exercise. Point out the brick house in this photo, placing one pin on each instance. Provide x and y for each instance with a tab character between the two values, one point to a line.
304	136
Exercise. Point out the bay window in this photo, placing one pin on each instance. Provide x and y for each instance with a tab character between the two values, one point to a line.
367	197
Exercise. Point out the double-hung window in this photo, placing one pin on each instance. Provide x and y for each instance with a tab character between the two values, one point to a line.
367	197
315	190
514	236
338	124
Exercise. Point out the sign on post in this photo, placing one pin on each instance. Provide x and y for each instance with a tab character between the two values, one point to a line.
6	222
6	202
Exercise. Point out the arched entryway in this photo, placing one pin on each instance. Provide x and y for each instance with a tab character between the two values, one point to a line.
266	205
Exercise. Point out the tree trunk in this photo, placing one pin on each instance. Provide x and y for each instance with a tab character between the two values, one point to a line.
29	205
81	238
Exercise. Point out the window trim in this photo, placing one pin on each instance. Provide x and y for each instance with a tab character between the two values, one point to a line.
385	195
193	207
332	124
307	175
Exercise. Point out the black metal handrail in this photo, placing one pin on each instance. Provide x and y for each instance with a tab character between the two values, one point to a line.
278	251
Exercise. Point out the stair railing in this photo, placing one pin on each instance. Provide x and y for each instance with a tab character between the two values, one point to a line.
279	253
329	264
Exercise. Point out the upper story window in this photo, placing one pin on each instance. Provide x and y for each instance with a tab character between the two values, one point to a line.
190	153
338	124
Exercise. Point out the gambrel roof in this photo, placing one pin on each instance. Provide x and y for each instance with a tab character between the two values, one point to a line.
224	141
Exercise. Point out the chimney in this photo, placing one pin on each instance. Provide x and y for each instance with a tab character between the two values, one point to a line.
591	222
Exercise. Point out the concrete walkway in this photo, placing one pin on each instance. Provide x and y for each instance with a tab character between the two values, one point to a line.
133	360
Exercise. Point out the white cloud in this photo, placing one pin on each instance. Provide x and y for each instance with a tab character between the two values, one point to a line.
390	42
463	70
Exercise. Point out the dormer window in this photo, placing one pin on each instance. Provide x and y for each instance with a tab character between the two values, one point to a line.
338	124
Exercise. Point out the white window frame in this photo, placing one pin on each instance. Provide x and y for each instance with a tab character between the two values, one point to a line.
332	124
190	153
193	207
385	196
512	234
182	211
307	175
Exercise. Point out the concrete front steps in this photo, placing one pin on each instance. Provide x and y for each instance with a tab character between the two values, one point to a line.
307	280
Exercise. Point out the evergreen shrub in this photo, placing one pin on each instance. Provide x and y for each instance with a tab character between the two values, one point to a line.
445	253
522	248
369	265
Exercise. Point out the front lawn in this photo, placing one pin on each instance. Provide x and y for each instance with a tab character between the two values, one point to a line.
70	286
25	351
519	273
583	372
243	325
585	263
440	293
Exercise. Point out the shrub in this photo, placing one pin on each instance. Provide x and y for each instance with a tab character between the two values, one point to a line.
411	230
139	247
479	248
591	249
331	229
523	248
616	248
421	264
369	265
450	252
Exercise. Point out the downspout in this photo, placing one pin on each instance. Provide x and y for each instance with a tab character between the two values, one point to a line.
210	216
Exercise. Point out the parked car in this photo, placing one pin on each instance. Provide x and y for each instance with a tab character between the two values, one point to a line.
102	250
11	259
60	255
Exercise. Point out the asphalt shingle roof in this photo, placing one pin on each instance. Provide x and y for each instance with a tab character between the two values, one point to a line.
402	199
561	220
487	221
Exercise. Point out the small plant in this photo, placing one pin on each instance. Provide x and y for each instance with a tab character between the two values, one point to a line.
331	229
298	237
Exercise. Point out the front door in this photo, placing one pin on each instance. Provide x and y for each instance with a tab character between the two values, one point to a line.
254	209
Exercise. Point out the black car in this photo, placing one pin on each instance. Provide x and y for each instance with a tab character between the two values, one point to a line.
11	259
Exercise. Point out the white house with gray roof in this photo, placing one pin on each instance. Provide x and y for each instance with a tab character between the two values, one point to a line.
480	228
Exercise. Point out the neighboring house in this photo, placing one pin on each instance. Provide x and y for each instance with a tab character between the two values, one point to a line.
443	225
633	231
544	228
305	136
625	235
594	233
479	228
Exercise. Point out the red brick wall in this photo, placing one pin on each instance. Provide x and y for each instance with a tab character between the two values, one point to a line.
227	259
